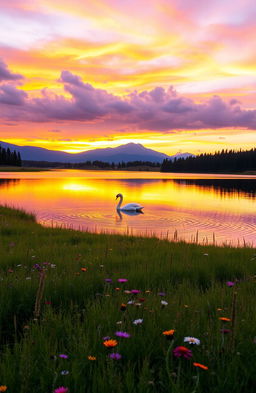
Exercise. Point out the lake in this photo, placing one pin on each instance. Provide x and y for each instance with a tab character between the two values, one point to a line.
194	207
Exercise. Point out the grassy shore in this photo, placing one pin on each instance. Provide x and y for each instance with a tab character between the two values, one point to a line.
60	299
21	169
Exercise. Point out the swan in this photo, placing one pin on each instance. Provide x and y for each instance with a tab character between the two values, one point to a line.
135	207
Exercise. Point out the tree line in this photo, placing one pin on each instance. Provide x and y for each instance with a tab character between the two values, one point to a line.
221	161
91	164
8	157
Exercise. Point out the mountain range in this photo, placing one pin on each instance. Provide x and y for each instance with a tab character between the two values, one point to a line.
125	153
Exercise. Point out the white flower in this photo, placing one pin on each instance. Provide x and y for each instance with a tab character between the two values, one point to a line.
164	303
192	340
130	302
138	321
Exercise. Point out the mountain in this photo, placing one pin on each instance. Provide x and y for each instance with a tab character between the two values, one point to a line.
128	152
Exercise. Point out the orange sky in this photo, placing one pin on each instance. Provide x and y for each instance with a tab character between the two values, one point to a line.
176	76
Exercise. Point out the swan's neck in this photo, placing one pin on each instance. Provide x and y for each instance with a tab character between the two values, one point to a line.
120	202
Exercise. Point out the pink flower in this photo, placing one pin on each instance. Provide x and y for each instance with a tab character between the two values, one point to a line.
182	352
61	389
230	283
122	280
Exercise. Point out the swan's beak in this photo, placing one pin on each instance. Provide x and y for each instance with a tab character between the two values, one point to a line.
116	197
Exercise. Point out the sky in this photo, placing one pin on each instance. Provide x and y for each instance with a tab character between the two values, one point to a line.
173	75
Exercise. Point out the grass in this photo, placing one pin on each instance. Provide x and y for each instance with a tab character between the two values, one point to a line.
54	300
21	169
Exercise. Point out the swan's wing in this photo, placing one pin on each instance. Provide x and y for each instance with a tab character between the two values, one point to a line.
132	206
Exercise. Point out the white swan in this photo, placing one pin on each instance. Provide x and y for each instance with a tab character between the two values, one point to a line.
135	207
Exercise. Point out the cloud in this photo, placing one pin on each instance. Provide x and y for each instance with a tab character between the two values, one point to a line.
10	95
6	75
158	109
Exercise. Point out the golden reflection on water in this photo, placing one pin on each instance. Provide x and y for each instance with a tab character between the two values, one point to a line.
169	205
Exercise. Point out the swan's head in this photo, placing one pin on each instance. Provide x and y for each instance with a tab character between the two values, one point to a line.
119	196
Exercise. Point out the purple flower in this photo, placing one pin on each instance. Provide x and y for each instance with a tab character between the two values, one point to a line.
122	280
37	266
115	356
135	291
63	356
108	280
230	283
122	334
106	338
161	294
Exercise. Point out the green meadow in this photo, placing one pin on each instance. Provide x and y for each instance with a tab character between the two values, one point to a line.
60	300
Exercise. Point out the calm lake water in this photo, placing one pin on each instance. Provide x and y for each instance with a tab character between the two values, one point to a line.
210	208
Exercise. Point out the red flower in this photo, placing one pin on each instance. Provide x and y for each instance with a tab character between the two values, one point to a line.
182	352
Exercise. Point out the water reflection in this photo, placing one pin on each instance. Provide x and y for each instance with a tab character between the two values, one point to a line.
223	209
128	213
224	186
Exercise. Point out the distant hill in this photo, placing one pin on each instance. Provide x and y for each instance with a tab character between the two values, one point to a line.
125	153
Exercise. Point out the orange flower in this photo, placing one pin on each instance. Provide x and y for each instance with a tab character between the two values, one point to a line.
123	307
224	319
91	357
3	388
83	269
168	332
110	343
200	366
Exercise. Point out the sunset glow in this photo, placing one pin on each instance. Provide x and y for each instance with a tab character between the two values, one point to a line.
176	76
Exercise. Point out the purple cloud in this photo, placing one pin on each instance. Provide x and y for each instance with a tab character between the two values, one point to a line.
6	75
10	95
158	109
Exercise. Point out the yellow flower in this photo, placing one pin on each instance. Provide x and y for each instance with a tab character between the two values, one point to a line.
91	357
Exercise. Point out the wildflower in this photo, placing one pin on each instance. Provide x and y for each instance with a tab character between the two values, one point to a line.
127	291
110	343
164	303
200	366
138	321
122	334
142	299
91	357
119	322
115	356
64	372
117	289
106	338
225	331
108	280
161	294
123	307
230	283
192	340
63	356
135	291
83	269
169	334
3	388
182	352
122	280
61	389
130	302
224	319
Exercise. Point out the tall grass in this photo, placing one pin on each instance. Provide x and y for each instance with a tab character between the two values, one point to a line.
76	308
